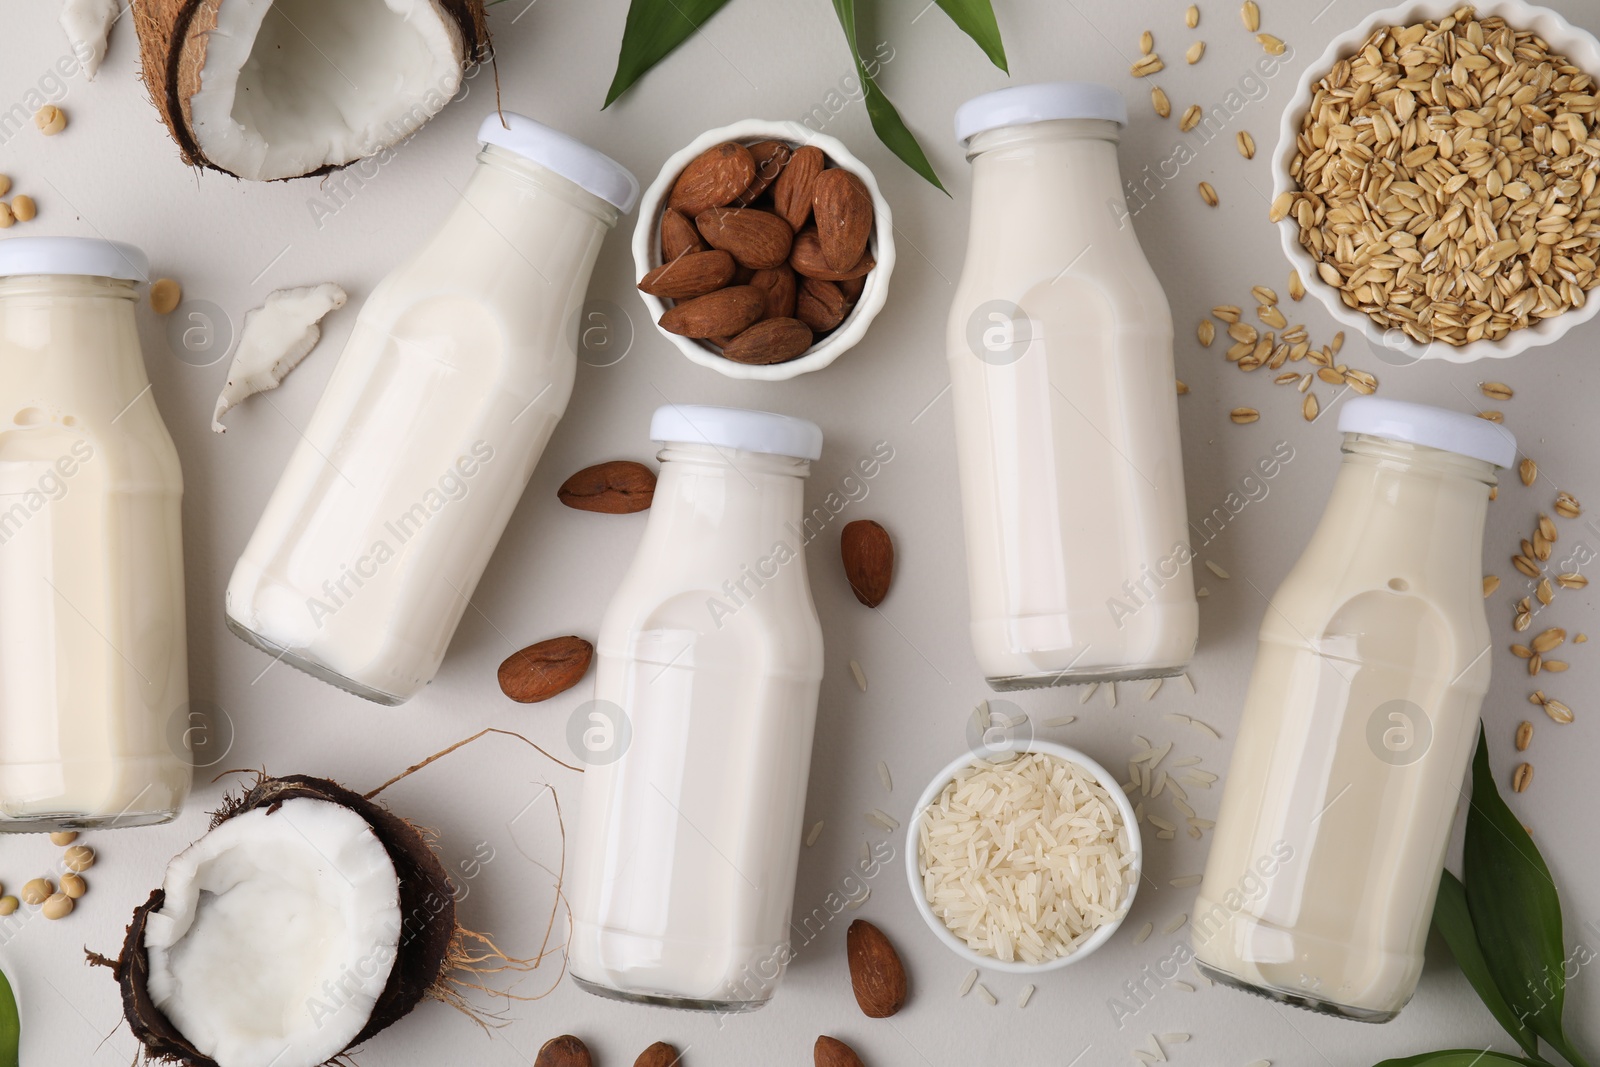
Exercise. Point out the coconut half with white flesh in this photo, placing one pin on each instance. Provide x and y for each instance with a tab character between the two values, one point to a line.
306	920
270	89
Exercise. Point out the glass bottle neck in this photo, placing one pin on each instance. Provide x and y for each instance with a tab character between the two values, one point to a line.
1403	458
496	164
1062	174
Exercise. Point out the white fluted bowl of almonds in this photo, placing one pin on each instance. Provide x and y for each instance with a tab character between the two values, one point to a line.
764	250
1435	181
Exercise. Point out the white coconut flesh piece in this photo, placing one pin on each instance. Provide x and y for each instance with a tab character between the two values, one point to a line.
276	936
290	87
88	27
276	337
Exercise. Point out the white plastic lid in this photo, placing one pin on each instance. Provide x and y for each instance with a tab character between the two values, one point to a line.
1423	424
82	256
748	431
1041	102
590	170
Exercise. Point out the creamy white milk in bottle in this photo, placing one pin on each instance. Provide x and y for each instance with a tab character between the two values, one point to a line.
457	371
1359	723
1060	349
94	682
705	700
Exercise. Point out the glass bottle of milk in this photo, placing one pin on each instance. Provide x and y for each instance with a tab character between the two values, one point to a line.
1359	723
457	371
1060	352
699	738
94	677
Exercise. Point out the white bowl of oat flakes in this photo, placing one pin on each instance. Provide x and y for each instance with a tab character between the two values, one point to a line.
1435	180
1024	859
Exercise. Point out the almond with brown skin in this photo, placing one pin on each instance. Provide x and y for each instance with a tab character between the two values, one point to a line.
778	284
758	239
659	1054
820	305
540	671
720	314
851	288
842	208
770	158
563	1051
678	236
692	274
806	258
831	1052
876	973
713	178
793	191
619	487
868	560
770	341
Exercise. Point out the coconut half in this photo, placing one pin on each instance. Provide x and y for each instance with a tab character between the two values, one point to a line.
307	920
270	89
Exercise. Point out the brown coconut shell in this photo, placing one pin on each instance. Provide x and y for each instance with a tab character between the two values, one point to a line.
173	35
427	909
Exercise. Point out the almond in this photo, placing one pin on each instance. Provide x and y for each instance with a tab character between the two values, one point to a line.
851	288
619	487
758	239
843	210
540	671
770	341
807	258
869	565
563	1051
713	178
876	973
831	1052
659	1054
678	236
770	158
778	284
820	305
719	314
793	191
691	274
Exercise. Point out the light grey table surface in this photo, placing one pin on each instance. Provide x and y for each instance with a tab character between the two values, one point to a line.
115	173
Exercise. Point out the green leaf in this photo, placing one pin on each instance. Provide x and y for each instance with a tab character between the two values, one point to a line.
10	1024
1515	909
1454	921
1466	1057
654	28
886	121
976	17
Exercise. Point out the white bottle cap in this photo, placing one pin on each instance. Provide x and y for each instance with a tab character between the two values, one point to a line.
82	256
1422	424
590	170
1041	102
737	428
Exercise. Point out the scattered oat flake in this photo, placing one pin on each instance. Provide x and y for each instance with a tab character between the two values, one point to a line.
988	997
1144	933
1027	995
861	676
966	986
1495	390
1214	569
816	832
1176	924
1208	194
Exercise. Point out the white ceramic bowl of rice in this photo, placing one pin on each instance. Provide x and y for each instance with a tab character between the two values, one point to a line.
1072	865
